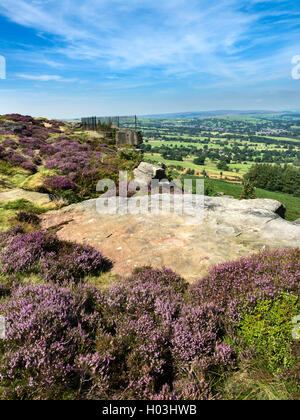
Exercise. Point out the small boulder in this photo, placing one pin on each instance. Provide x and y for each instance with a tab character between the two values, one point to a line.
147	171
75	124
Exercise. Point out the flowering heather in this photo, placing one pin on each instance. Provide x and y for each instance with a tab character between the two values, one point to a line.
150	337
54	260
71	156
25	119
47	150
157	337
13	157
73	263
28	166
48	329
9	143
60	183
241	284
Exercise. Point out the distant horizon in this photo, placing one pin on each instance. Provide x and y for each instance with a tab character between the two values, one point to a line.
212	111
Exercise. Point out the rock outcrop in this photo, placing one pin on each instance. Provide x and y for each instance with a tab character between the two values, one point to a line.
74	125
226	230
147	171
18	193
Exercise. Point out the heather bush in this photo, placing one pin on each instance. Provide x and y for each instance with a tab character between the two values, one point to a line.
238	286
28	166
152	336
72	262
157	339
60	183
48	330
132	342
9	143
29	143
43	253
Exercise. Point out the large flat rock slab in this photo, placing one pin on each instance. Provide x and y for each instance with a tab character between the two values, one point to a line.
228	230
18	193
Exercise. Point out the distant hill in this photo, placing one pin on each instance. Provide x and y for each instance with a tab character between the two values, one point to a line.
211	114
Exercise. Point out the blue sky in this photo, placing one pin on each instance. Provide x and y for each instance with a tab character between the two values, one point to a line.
73	58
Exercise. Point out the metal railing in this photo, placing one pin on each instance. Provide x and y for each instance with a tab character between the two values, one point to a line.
98	123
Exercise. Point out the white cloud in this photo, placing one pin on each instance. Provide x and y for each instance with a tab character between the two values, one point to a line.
44	78
176	37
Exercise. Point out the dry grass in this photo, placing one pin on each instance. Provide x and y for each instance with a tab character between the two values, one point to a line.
255	384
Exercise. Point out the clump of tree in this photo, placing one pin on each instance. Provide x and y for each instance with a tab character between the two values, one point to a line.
223	165
248	192
200	159
275	178
209	189
190	172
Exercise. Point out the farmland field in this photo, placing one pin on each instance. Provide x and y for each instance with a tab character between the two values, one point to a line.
230	144
223	149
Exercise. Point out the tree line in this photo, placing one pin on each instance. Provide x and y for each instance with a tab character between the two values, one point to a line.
284	178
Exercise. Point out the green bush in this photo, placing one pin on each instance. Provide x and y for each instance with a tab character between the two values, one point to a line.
268	330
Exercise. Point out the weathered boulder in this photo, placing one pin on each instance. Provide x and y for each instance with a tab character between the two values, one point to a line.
225	230
74	124
147	171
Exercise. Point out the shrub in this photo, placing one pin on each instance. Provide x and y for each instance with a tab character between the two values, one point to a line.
26	217
157	339
72	262
43	253
267	329
150	337
28	166
48	329
248	191
235	286
9	143
60	183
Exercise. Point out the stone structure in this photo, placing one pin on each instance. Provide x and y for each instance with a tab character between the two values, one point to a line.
128	137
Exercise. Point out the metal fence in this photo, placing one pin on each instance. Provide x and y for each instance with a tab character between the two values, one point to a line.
98	123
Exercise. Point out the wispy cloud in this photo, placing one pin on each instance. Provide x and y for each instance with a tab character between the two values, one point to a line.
44	78
155	49
173	36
